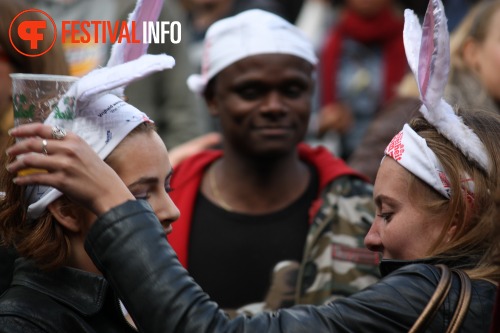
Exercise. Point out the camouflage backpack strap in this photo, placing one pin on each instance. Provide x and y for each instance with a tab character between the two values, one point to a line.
336	261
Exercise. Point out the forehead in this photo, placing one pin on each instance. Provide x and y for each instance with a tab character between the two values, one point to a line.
137	150
392	180
265	64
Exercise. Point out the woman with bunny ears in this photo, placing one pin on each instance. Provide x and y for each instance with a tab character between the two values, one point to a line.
437	194
55	285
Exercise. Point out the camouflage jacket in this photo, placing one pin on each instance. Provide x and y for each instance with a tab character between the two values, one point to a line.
335	261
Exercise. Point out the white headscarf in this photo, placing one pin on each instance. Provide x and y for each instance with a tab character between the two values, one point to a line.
249	33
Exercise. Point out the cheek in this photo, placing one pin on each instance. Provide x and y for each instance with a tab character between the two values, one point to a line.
403	241
489	76
301	107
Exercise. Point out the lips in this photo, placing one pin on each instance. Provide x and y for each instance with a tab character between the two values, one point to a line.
273	130
167	228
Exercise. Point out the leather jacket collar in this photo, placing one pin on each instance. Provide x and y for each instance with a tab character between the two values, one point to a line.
387	266
83	291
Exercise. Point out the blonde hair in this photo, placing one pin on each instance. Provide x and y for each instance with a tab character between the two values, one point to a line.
475	25
476	238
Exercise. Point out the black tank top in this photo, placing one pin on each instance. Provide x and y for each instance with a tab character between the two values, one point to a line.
232	255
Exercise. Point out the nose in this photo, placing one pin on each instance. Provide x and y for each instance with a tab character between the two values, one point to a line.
372	239
273	103
165	209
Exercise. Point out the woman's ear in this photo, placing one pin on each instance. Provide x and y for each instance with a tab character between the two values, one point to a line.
66	214
451	232
470	54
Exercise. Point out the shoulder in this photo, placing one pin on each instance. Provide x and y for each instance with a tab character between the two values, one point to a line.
25	310
17	324
195	165
328	166
351	198
350	186
421	271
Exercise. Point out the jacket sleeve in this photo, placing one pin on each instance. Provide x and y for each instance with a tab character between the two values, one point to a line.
128	246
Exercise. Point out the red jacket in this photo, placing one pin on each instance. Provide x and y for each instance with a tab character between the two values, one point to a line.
189	173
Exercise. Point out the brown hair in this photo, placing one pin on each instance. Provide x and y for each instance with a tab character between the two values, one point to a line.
477	235
44	240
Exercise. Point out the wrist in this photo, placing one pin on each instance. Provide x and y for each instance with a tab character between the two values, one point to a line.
105	204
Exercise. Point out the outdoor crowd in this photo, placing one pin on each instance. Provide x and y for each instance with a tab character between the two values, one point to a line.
289	166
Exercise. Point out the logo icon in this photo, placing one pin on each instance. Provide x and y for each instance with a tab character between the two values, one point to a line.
32	31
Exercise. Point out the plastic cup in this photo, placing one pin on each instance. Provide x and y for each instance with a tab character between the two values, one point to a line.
34	95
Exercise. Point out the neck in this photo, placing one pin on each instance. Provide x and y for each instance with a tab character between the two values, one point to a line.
260	185
262	171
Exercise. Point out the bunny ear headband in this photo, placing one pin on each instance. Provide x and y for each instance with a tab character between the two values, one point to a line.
428	53
93	107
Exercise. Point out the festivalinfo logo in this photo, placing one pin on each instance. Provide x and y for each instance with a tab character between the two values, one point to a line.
41	34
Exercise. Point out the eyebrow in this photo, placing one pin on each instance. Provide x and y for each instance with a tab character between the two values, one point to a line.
384	198
149	180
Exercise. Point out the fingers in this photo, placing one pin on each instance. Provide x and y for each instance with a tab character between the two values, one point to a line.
31	130
37	138
69	165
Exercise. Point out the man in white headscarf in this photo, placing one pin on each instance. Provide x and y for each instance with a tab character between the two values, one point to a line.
253	210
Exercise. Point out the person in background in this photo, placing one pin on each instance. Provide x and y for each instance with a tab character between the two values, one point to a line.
475	59
362	63
238	203
436	194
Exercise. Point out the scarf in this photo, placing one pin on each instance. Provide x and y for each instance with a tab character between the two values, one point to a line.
385	29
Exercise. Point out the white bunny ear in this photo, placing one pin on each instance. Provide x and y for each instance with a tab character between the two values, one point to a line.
121	75
412	34
434	59
428	52
145	10
106	79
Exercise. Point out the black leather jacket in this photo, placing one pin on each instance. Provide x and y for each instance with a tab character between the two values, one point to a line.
128	245
66	300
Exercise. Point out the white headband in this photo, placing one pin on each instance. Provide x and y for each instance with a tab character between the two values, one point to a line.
93	108
249	33
411	151
102	133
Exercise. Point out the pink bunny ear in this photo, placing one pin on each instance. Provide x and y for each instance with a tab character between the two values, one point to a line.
434	58
145	10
